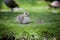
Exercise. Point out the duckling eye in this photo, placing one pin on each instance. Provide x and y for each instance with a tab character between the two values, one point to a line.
26	13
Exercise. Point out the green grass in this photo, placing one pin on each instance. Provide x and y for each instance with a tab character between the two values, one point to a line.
50	23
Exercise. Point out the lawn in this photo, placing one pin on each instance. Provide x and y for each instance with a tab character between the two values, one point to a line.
43	20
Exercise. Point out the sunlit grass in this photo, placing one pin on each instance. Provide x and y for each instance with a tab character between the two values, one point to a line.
50	24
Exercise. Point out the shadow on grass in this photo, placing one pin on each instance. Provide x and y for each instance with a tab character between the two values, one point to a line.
8	15
3	29
1	4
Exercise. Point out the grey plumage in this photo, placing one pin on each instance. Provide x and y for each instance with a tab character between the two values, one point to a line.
23	18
